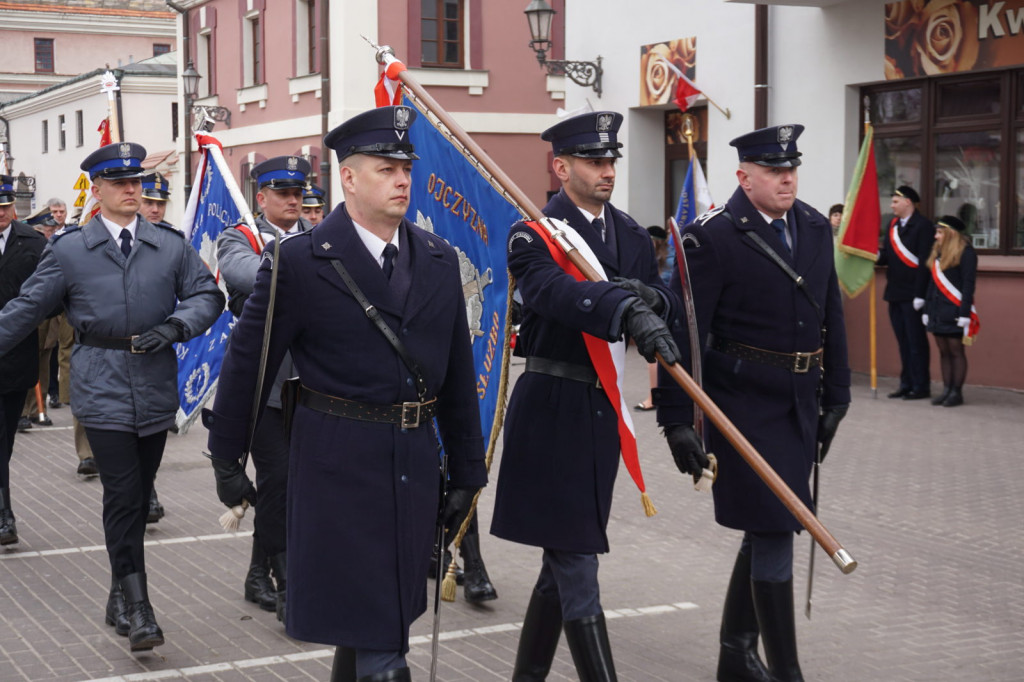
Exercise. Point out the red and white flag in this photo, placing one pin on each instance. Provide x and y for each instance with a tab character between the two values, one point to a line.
388	90
686	92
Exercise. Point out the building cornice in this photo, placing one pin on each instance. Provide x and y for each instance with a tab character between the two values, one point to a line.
78	22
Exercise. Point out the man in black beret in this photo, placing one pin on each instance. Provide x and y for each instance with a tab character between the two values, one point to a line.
906	244
773	342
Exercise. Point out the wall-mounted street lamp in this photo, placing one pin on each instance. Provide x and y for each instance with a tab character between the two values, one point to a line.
588	74
201	112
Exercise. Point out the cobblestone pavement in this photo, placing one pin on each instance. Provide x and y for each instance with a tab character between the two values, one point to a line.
929	500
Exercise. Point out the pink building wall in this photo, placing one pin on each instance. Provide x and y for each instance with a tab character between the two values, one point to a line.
75	53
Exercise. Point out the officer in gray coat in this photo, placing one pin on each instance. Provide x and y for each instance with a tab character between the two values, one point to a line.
281	181
130	289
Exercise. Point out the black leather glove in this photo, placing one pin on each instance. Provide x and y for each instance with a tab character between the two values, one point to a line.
456	508
232	484
648	295
650	332
159	337
828	422
687	450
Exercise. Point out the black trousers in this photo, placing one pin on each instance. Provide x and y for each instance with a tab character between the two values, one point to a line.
8	428
270	457
912	339
127	464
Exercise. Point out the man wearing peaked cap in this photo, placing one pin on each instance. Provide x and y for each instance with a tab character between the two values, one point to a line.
775	361
130	290
20	249
313	204
281	181
156	191
560	460
364	447
905	247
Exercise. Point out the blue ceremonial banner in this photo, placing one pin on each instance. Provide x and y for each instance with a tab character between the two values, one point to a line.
450	198
210	211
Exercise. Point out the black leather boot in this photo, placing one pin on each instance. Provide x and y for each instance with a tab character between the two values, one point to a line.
938	400
278	566
955	397
478	587
344	667
396	675
144	633
258	587
737	655
117	613
8	529
591	650
773	603
538	640
156	510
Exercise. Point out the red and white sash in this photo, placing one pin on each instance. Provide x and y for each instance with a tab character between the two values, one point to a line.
609	359
906	255
950	291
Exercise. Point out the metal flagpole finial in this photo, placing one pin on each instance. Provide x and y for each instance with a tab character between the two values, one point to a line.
382	50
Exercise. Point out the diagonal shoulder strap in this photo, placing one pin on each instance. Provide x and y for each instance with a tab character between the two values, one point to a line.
374	315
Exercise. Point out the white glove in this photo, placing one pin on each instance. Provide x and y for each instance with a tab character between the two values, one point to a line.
964	322
918	303
924	319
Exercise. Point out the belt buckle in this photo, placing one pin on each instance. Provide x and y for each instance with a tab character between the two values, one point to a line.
802	362
131	346
410	423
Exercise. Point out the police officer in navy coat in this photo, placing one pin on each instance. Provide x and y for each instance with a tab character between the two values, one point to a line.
768	348
561	449
20	248
363	481
131	290
907	242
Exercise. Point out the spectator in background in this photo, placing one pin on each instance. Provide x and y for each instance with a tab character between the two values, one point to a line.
835	216
949	304
33	412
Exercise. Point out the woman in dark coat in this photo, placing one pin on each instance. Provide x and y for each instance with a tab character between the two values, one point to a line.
949	304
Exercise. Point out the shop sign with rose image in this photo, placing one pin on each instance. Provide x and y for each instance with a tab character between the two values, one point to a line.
657	78
934	37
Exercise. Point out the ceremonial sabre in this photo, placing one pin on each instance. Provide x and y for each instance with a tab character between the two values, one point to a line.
501	181
814	501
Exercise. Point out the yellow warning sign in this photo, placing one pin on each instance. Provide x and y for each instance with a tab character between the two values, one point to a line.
80	201
81	183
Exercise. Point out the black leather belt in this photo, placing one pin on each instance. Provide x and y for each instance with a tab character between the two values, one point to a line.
108	342
406	415
798	363
564	370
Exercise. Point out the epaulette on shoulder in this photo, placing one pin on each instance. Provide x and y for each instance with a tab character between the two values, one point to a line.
707	215
292	235
67	229
172	228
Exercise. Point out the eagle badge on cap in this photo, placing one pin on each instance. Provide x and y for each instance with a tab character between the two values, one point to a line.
124	150
293	163
604	123
401	118
785	136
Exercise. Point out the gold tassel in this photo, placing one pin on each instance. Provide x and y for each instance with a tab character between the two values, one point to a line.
448	584
648	505
232	518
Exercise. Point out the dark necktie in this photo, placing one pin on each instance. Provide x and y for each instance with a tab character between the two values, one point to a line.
599	226
390	251
3	242
780	228
126	242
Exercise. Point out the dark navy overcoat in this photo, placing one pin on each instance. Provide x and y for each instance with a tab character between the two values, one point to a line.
362	496
904	282
19	368
561	447
743	296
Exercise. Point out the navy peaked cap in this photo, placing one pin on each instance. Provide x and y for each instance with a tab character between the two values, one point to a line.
774	146
117	161
908	192
155	187
281	172
591	135
383	131
312	196
952	222
6	190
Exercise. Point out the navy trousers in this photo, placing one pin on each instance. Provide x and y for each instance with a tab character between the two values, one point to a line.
912	339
